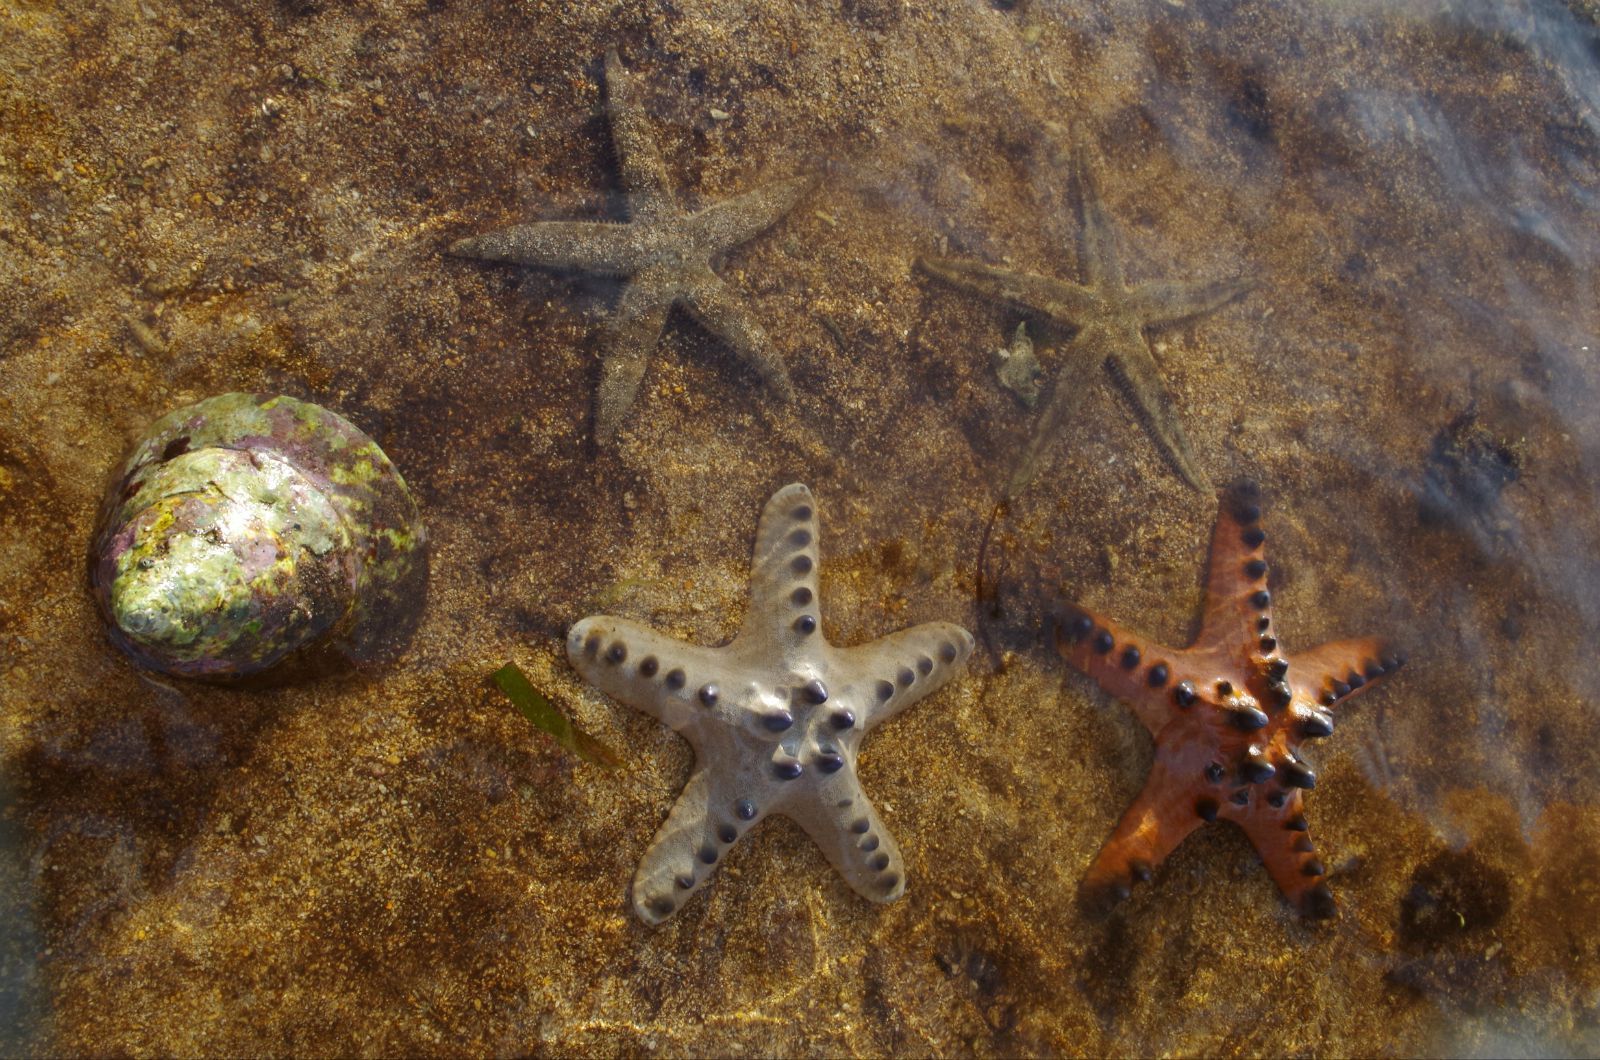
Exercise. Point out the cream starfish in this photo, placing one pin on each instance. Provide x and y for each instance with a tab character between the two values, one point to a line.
664	250
1109	317
775	718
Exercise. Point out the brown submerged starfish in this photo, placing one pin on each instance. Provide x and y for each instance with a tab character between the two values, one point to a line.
1228	714
664	250
1109	317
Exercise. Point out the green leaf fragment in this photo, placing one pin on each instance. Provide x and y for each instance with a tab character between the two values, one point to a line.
545	716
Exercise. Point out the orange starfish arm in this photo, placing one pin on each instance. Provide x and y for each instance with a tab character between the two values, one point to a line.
1237	619
1128	666
1283	839
1332	672
1160	818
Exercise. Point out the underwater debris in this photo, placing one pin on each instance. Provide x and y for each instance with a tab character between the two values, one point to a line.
547	717
1018	369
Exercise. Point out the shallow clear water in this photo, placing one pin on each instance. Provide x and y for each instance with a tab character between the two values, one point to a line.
200	200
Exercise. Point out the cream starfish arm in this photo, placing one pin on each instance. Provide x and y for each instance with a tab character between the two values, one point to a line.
644	177
632	663
705	823
711	303
863	851
896	671
1066	304
631	336
784	610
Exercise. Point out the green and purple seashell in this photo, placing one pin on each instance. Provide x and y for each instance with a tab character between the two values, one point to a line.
249	531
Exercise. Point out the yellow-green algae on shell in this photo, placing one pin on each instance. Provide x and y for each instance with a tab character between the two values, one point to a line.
247	530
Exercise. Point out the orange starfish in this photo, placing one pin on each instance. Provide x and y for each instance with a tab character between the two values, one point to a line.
1228	715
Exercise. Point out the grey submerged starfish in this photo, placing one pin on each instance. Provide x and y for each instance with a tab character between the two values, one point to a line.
775	717
1110	318
664	250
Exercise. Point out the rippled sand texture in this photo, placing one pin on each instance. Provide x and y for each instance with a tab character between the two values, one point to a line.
195	199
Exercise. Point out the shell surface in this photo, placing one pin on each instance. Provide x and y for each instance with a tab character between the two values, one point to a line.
247	530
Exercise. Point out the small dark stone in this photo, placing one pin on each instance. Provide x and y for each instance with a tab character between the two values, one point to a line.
1282	694
1206	807
1224	688
814	692
708	695
708	854
1270	645
1102	642
801	564
727	833
843	719
860	826
1312	868
805	624
1140	870
1130	657
1316	725
1374	671
870	842
800	597
1276	799
1355	680
924	666
745	809
1249	513
802	512
777	721
1302	844
617	652
684	881
1240	797
592	645
889	881
830	762
905	677
1329	698
1256	769
648	666
1263	623
1256	568
1183	694
878	861
1318	903
1253	537
1298	775
1341	689
788	770
1157	676
947	652
1297	823
676	679
661	905
885	690
1215	772
1277	667
1260	599
1080	627
800	538
1391	663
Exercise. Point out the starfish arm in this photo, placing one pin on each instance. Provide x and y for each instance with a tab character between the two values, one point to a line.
703	826
1163	304
644	177
1160	818
1128	358
785	610
854	839
733	221
1142	674
1283	840
1060	409
588	246
1333	672
893	672
632	663
710	302
631	337
1067	304
1102	265
1238	611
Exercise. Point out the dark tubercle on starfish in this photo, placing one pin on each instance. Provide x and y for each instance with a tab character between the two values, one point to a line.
1229	714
